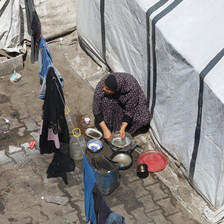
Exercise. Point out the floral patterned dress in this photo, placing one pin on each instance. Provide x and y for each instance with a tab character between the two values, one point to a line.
127	104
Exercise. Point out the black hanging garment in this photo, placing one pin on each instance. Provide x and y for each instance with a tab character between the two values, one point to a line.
54	134
61	163
34	28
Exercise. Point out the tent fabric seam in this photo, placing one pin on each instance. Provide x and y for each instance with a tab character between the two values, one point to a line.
159	16
202	76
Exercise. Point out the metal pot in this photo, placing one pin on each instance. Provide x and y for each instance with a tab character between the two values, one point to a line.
124	158
142	170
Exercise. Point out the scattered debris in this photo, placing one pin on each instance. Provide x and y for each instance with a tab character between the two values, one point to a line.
15	77
56	199
32	143
7	121
87	120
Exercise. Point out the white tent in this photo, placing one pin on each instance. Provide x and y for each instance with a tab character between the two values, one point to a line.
175	49
11	34
56	17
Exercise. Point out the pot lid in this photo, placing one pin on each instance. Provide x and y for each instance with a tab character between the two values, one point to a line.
93	133
155	160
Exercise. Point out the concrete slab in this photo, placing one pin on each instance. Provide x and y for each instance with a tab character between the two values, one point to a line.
4	158
8	66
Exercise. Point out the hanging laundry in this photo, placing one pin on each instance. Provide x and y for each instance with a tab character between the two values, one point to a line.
34	28
45	62
61	163
102	210
53	116
54	134
89	183
44	59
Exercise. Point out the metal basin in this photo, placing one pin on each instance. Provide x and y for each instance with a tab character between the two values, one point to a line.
94	145
117	143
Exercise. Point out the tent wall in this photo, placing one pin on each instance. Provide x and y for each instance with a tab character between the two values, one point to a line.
11	34
56	17
175	51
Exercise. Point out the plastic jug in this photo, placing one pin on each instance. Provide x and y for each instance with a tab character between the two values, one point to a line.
77	145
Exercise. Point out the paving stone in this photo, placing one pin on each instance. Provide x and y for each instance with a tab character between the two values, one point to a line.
158	217
27	200
24	113
129	219
4	182
40	166
4	128
169	205
156	191
23	184
129	176
54	212
149	180
30	124
50	181
126	198
80	205
138	189
38	188
178	218
14	176
25	146
6	135
149	204
13	149
4	158
19	158
52	190
36	136
140	216
72	217
46	158
15	123
21	131
36	212
76	192
25	220
9	166
32	153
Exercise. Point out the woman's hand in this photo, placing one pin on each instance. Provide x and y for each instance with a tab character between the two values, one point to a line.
122	130
107	135
122	133
106	132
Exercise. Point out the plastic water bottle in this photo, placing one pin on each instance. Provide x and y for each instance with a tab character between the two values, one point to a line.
77	146
77	143
56	199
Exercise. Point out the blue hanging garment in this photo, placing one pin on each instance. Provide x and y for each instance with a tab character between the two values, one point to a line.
45	62
89	183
